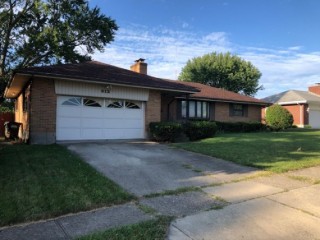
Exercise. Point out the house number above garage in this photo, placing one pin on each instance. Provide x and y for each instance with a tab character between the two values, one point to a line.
106	89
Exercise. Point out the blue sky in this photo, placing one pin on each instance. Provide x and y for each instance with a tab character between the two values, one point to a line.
280	37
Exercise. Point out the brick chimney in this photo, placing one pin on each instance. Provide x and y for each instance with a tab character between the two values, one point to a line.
140	66
315	89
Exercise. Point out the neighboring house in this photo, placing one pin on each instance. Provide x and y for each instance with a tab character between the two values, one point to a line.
303	105
93	100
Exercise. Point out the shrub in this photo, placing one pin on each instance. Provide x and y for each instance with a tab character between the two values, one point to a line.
6	106
278	118
240	126
196	130
165	131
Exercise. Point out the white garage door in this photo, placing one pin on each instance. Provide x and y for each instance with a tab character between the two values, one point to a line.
86	118
314	118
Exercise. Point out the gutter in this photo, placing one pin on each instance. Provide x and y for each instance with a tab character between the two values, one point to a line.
292	102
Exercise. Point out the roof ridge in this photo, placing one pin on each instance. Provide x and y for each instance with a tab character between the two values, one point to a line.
222	89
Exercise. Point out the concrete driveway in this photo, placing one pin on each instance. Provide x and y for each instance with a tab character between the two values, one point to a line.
145	167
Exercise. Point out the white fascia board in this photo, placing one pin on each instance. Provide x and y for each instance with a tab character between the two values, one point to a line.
292	102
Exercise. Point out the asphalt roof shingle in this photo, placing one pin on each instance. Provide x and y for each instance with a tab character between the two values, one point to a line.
292	96
100	72
213	93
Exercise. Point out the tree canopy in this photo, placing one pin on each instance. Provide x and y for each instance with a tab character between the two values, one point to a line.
225	71
45	32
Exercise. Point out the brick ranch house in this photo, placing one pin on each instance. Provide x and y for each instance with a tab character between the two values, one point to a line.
93	100
303	105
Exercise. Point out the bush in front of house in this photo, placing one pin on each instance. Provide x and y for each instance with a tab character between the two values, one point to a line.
6	106
165	131
196	130
278	118
234	127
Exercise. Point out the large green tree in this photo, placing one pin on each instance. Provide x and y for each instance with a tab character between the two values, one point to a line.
45	32
225	71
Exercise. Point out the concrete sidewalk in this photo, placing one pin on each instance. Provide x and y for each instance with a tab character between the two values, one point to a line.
76	225
275	207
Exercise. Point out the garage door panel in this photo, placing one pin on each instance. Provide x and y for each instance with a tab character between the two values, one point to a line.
117	113
84	122
92	134
92	123
69	111
132	123
138	114
122	123
314	118
134	113
123	133
65	122
96	112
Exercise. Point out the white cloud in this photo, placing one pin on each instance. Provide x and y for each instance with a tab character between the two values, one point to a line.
295	48
166	51
185	25
283	71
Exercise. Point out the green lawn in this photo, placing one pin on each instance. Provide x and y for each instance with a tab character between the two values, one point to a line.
148	230
39	182
273	151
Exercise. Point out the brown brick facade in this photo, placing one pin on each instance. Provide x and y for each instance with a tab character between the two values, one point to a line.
43	111
153	108
219	111
222	113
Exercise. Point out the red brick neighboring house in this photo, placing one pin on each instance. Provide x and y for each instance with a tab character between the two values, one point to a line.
93	100
303	105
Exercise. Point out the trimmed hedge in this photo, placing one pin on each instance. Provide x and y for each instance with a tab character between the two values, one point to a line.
234	127
196	130
278	118
165	131
170	131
